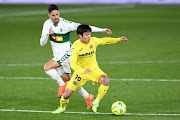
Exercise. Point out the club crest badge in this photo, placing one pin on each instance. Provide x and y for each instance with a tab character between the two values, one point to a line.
74	82
61	29
91	46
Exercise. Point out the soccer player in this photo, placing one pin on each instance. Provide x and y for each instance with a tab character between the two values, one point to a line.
83	62
59	31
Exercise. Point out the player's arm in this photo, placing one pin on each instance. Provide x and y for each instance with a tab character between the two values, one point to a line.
96	29
44	35
109	40
73	26
73	61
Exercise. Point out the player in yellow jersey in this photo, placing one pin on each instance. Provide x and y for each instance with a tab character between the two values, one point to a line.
83	62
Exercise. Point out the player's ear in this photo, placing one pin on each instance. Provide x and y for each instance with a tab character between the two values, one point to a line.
80	36
48	14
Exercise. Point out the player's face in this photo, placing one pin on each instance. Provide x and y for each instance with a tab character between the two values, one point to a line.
86	37
54	15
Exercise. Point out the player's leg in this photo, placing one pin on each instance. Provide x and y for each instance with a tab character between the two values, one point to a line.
66	77
72	86
49	69
104	81
64	101
57	62
102	78
64	71
88	97
65	98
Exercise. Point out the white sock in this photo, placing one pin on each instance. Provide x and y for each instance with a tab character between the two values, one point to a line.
96	101
83	92
55	76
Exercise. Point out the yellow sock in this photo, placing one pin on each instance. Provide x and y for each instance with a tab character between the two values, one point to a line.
101	92
63	103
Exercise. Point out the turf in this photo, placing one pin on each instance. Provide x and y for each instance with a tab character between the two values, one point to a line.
153	33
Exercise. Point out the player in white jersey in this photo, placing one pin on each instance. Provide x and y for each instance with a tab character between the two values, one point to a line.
59	31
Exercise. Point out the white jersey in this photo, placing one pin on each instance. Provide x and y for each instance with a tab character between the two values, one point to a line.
61	39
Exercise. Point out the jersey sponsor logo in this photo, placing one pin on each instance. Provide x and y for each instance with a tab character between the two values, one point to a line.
57	38
88	54
60	38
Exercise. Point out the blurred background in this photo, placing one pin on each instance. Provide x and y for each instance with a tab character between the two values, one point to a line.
89	1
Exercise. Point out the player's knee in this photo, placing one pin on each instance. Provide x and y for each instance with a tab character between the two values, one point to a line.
46	67
65	96
67	79
105	80
68	92
66	76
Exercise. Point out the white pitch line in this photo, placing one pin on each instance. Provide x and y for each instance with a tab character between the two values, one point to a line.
152	114
144	114
109	62
25	64
136	62
25	78
160	80
43	78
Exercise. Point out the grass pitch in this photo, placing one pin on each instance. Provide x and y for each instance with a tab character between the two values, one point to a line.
152	53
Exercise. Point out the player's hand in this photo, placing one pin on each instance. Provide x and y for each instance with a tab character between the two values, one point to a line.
51	31
108	31
87	71
123	38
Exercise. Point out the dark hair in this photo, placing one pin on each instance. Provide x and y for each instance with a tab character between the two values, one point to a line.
52	7
83	28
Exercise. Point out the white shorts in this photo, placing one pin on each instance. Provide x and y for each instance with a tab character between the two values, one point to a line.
64	69
63	58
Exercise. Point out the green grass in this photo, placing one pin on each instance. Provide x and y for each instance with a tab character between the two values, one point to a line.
153	33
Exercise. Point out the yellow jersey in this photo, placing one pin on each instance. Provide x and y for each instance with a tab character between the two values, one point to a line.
83	55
